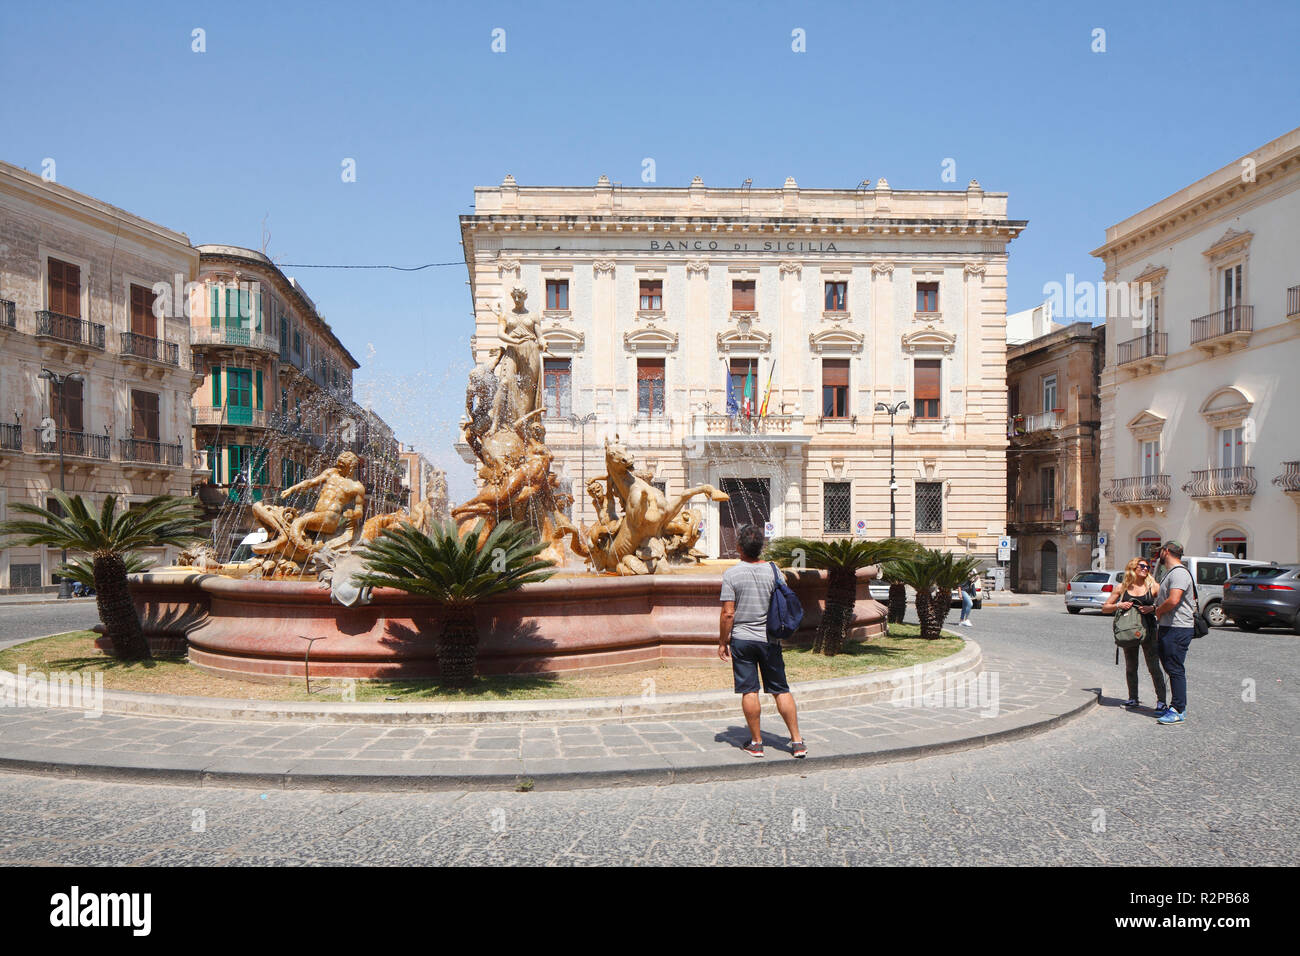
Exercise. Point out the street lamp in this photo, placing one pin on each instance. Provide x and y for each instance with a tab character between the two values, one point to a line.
58	381
891	410
582	423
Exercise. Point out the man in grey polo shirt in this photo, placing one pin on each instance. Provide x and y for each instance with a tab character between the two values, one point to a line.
742	638
1175	610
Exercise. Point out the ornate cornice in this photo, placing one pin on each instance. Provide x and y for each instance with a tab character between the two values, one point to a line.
603	265
697	267
559	338
929	339
1146	426
836	339
975	268
746	339
789	267
650	338
1230	243
882	269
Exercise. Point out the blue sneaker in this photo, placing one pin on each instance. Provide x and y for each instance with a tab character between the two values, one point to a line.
1171	716
1161	707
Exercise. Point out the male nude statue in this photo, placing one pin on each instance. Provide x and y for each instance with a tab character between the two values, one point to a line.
339	489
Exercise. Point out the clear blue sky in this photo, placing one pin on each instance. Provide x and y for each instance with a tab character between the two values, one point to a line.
257	127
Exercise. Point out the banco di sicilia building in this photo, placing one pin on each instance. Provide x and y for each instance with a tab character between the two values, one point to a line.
743	337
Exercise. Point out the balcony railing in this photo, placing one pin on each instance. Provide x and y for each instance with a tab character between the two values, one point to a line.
247	338
1289	480
739	425
1020	425
1293	301
1143	347
150	452
8	314
1137	489
11	437
73	444
142	346
1237	318
228	415
67	328
1045	512
1222	482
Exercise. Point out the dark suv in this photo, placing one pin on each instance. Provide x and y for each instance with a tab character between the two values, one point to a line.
1267	594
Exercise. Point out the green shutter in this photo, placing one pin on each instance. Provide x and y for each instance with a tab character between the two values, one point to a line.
216	386
257	311
214	462
216	307
259	388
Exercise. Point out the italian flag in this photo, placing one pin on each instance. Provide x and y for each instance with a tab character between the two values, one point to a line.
747	406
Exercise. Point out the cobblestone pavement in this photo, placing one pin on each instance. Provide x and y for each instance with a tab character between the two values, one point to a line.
1110	787
19	622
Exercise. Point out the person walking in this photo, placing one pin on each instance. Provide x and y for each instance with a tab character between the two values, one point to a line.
1139	589
742	639
967	600
1175	611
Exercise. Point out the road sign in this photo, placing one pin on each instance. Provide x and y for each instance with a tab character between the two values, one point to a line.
1004	544
861	527
1101	540
769	529
1004	554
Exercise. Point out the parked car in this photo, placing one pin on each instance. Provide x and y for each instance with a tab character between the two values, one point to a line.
978	601
1264	594
244	552
1091	589
1210	573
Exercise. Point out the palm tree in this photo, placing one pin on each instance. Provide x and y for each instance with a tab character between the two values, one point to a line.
109	539
81	570
932	575
456	573
897	589
840	558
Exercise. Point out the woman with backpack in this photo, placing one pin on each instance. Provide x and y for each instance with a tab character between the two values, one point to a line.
967	590
1134	626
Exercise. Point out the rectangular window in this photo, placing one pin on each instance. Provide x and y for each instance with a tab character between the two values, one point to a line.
1232	451
742	295
1047	487
836	507
650	387
67	404
927	297
1232	290
1013	401
64	288
925	389
557	294
284	337
557	381
1150	458
1049	393
837	296
24	575
744	384
239	396
835	388
652	295
929	507
143	320
144	415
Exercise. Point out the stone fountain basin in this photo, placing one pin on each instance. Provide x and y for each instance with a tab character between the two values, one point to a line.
260	629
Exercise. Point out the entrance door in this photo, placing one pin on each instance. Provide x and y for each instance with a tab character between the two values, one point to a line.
1047	577
751	503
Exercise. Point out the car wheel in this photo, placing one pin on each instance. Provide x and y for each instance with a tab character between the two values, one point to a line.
1074	610
1214	614
1251	626
977	605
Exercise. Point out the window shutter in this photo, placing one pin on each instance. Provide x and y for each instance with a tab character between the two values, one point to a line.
927	379
216	386
259	388
257	312
214	308
835	372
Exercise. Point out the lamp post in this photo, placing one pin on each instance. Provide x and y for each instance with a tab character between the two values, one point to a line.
891	410
58	381
581	422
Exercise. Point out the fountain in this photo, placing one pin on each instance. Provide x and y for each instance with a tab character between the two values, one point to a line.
645	594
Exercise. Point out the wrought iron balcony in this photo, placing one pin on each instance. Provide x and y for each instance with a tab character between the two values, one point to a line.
1293	301
73	444
11	437
235	336
146	451
67	328
142	346
1223	328
8	314
1138	490
1238	482
1289	480
228	415
1018	426
1148	349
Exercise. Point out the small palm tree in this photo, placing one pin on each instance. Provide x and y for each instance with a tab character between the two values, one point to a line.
897	589
840	558
109	540
456	573
932	575
81	570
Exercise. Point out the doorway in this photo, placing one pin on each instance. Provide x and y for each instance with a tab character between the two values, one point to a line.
1047	568
751	503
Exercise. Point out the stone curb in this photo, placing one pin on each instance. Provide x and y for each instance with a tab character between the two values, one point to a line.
522	772
812	695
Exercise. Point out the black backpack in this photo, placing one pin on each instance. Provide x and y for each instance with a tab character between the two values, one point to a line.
784	612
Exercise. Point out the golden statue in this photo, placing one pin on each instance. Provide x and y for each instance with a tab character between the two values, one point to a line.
293	537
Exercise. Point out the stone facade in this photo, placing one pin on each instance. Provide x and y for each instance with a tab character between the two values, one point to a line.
1054	426
79	295
1199	393
653	298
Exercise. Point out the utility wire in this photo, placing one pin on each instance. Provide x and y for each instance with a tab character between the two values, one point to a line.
427	265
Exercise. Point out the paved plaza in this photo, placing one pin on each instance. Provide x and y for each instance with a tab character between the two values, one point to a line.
1106	787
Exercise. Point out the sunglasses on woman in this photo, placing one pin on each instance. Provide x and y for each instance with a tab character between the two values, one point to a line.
1144	567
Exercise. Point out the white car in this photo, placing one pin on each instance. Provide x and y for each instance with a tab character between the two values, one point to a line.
880	592
1091	589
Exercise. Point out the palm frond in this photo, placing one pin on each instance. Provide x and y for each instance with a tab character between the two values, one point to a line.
162	520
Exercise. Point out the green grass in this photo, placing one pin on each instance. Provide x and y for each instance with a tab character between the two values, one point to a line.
75	651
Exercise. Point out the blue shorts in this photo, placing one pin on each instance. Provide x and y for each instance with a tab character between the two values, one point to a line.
749	659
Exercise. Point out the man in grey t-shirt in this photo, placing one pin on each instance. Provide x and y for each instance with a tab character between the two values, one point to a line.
1175	610
742	639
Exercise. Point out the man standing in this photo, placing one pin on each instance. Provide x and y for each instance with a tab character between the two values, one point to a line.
742	638
1175	616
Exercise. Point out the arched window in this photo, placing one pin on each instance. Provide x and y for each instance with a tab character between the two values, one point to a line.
1231	541
1147	542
